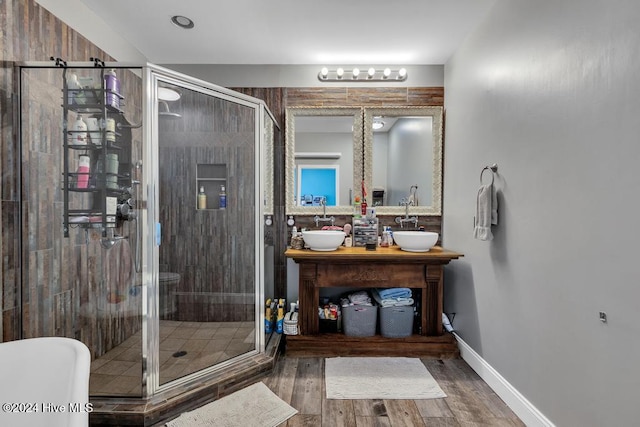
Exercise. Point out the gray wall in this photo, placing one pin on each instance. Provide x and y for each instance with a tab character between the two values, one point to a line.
410	160
549	91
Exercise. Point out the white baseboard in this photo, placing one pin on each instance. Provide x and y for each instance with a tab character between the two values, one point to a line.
528	413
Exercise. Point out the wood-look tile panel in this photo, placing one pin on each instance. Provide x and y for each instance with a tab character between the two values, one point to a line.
62	290
363	96
377	96
212	249
315	96
431	96
307	390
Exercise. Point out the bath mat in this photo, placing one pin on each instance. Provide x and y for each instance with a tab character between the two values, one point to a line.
255	405
379	378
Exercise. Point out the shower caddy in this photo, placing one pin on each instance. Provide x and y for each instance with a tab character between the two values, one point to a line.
108	205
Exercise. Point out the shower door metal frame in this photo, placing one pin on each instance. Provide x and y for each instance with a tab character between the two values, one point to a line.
152	75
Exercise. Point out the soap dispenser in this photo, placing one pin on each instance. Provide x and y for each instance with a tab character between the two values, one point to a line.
202	199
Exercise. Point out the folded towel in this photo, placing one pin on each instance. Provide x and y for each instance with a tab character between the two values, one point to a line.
391	302
396	302
483	219
394	293
360	298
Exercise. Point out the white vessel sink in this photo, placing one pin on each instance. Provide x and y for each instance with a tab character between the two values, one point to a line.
323	240
415	241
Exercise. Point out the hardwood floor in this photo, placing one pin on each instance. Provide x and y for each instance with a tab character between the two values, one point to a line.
469	401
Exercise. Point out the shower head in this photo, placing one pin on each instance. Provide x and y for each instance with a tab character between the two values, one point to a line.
165	112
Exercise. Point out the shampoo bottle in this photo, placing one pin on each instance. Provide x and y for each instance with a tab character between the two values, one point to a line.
223	198
82	177
202	199
112	89
78	134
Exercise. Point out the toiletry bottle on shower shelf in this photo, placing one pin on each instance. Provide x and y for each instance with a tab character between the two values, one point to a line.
78	134
357	208
112	89
223	198
202	199
82	177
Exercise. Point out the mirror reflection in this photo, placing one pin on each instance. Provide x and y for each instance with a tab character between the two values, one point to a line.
403	159
324	159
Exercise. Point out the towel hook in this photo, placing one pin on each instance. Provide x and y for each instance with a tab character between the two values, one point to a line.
493	168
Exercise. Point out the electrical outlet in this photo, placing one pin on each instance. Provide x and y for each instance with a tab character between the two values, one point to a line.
603	317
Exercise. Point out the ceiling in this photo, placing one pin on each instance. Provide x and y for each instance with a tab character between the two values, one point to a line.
400	32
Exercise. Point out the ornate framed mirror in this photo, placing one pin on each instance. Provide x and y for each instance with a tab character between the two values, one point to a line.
324	159
403	159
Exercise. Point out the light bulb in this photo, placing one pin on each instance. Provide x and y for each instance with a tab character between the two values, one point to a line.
339	72
324	72
355	73
371	72
386	73
402	73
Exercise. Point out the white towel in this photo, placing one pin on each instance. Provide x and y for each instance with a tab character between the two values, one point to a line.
494	206
485	202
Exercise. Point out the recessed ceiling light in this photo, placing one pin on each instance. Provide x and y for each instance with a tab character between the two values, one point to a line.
378	124
168	94
182	21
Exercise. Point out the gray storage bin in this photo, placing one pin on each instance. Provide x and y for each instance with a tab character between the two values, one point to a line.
396	322
359	320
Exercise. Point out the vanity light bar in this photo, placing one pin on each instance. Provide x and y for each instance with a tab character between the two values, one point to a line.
368	75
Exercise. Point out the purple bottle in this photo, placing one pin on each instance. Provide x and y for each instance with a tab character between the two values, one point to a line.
112	89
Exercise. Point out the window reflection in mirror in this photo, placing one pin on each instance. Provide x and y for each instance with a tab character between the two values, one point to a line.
324	159
318	185
403	159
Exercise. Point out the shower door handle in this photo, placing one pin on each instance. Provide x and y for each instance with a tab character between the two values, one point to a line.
158	234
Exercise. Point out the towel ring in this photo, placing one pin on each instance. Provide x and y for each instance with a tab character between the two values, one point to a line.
493	168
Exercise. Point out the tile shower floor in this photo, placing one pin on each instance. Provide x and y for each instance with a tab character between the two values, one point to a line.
185	347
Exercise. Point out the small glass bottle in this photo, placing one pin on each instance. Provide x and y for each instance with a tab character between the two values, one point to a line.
223	198
202	199
385	239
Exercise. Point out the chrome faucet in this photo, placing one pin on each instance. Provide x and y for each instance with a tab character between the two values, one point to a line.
324	218
407	218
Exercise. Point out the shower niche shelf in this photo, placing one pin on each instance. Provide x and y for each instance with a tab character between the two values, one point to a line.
96	174
212	177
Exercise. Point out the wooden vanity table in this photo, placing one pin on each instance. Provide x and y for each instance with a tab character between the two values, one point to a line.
383	268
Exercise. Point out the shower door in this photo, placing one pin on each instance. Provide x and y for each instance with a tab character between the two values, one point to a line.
162	281
204	241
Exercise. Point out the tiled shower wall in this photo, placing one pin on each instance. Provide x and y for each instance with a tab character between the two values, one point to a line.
211	249
51	286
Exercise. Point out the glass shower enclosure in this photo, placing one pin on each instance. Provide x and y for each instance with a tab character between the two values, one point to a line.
143	198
